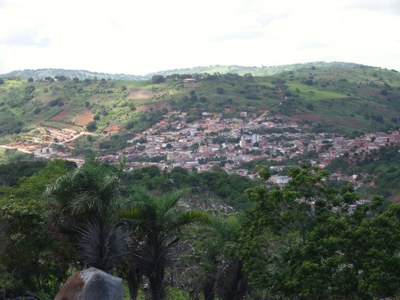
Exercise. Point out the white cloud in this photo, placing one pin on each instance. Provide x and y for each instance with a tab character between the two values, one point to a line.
144	36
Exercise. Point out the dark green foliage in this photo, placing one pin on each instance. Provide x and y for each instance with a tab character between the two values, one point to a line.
295	242
220	271
49	79
382	167
157	79
101	244
114	143
60	77
87	193
228	187
29	89
9	122
29	248
86	201
55	102
294	245
91	126
12	173
144	120
158	222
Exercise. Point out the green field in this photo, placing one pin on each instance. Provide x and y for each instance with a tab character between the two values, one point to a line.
312	93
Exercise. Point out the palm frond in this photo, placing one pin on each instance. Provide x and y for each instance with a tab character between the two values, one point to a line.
101	245
169	201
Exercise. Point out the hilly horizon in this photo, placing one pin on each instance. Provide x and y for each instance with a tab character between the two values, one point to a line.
222	69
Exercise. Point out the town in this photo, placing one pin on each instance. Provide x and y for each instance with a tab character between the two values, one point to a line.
213	141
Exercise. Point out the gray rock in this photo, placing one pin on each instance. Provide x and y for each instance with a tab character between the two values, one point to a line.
91	284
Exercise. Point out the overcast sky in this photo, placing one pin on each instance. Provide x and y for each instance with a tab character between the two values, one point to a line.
142	36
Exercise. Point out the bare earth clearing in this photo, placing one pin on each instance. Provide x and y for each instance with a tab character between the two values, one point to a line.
61	116
84	119
140	94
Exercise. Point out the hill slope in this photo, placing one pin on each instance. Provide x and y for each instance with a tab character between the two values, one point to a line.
333	97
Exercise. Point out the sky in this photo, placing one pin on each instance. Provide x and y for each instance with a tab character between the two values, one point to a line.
143	36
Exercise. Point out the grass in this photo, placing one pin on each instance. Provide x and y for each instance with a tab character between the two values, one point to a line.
314	94
60	125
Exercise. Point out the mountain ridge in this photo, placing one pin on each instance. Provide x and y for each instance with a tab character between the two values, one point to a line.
42	73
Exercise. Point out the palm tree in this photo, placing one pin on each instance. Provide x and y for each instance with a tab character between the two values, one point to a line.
221	270
86	206
101	244
158	223
88	192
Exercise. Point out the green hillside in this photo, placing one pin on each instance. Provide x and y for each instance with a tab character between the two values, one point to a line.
334	97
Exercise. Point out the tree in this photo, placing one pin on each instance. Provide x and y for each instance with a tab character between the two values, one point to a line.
157	79
220	269
264	172
91	126
157	222
49	79
1	81
86	201
30	251
301	241
60	77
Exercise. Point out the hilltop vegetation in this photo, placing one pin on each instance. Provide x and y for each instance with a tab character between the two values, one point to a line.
80	74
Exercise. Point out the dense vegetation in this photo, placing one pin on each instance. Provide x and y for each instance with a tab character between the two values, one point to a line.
305	240
380	170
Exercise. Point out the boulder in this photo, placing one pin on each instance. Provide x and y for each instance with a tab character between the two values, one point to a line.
91	284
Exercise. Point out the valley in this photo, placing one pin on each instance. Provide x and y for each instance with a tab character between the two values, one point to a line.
288	181
312	113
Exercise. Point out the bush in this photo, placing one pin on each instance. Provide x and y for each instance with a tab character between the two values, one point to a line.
156	79
92	126
55	102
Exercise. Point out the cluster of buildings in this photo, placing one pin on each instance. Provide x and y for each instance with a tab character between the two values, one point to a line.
212	141
208	140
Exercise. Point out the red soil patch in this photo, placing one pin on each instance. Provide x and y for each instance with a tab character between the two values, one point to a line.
112	129
61	116
84	119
